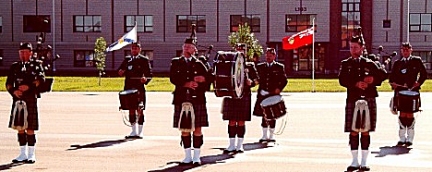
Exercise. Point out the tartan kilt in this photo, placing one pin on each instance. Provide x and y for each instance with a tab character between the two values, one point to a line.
201	116
237	109
258	111
349	113
32	118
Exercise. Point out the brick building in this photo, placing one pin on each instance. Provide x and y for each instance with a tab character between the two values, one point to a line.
73	26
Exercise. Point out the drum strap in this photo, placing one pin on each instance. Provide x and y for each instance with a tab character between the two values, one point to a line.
361	116
19	115
187	118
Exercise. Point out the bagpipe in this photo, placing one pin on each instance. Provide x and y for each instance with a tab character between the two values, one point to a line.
44	56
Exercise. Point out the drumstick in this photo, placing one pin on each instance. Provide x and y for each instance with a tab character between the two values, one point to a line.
139	78
402	86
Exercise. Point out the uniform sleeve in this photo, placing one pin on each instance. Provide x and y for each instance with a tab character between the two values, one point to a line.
175	77
123	65
423	73
148	71
344	77
10	80
283	79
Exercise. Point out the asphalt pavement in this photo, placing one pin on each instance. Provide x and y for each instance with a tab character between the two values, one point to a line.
84	131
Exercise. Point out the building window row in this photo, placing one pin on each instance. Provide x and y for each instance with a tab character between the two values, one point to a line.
144	23
299	22
87	23
253	20
350	21
420	22
40	23
184	23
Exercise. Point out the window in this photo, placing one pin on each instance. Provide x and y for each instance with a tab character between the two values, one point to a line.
36	23
184	23
87	23
350	21
299	22
148	53
302	58
144	23
84	58
386	23
420	22
1	24
426	57
253	20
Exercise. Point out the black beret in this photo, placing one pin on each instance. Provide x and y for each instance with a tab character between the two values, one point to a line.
406	45
26	45
271	50
136	44
357	39
190	41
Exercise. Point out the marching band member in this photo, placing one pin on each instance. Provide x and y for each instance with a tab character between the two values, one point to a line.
408	73
272	80
137	72
238	111
188	74
22	83
360	76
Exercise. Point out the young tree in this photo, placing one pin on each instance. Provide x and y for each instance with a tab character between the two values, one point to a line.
99	49
244	35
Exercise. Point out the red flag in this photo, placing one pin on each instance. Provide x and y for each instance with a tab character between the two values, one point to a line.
299	39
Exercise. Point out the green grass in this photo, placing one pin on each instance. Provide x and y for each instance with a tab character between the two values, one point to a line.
162	84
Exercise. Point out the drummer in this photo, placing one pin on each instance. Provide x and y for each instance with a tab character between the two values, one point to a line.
238	111
408	73
272	80
137	72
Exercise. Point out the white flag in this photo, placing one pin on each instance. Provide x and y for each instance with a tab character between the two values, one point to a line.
126	39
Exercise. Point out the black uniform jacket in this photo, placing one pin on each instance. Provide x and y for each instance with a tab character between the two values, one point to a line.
135	68
182	72
271	78
353	71
406	73
252	74
25	74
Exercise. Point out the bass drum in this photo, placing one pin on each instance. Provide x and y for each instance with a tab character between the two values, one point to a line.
229	72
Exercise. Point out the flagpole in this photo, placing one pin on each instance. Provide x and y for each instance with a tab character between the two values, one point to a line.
313	55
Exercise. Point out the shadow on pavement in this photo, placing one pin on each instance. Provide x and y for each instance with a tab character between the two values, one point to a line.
210	159
391	150
10	166
105	143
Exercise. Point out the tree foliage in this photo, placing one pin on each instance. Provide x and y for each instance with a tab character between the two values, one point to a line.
244	35
100	56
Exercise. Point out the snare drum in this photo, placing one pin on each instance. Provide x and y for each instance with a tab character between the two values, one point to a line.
273	107
408	101
229	70
128	99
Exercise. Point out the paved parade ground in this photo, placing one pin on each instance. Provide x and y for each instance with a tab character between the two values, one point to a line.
84	131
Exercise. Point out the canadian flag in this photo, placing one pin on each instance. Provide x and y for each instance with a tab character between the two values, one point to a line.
299	39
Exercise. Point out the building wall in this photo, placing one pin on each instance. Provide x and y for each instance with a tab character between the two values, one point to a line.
164	41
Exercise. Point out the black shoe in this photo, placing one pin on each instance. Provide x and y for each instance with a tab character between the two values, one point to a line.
30	161
262	140
364	168
408	144
18	161
400	143
196	164
185	163
352	168
271	140
226	151
133	137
